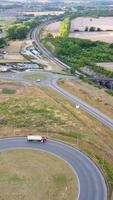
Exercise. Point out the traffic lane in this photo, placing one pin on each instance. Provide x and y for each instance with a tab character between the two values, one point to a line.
92	184
51	82
95	113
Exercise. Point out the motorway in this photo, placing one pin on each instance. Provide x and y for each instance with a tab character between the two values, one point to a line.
84	106
53	84
90	180
42	49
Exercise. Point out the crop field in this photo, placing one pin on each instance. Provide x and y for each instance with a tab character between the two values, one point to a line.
108	66
36	110
54	28
94	36
30	174
104	23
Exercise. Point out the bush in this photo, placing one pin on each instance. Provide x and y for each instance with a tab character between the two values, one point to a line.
8	91
3	42
78	53
20	30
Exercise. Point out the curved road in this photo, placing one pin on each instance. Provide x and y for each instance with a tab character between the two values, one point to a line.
52	83
84	106
92	183
48	54
87	108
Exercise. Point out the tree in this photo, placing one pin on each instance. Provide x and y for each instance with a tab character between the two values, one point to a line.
3	42
99	29
20	30
17	31
92	29
65	28
86	28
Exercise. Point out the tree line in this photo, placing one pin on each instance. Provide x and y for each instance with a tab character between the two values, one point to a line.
78	53
18	31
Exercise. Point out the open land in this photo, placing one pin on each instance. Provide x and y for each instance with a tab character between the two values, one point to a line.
13	52
31	174
35	76
4	25
108	66
104	23
105	36
37	110
96	97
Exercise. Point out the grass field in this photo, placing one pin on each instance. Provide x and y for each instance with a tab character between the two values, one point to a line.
36	110
94	96
80	23
35	76
30	174
108	66
13	52
5	24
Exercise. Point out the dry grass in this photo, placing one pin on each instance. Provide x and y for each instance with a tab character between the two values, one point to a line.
94	96
30	174
105	23
95	36
13	52
108	66
38	110
15	46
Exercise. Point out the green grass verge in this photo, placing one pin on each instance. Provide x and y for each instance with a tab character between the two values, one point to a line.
8	91
110	92
36	76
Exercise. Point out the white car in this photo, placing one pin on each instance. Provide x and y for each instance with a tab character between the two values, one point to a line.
38	80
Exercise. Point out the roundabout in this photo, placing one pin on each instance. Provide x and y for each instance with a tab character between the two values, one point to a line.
90	180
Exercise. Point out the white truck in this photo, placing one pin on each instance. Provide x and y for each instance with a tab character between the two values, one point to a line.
37	138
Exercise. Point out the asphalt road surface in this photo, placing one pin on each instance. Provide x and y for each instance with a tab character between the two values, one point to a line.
91	182
89	109
92	111
52	83
43	50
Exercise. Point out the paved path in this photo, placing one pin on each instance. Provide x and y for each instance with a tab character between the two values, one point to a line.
91	181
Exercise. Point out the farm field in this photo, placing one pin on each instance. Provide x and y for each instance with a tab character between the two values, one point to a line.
36	110
33	174
53	28
94	36
104	23
108	66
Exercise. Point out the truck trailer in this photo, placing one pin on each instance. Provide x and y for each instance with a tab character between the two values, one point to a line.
37	138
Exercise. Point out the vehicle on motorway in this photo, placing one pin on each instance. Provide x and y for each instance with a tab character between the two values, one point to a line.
38	80
77	106
36	138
